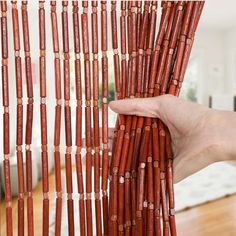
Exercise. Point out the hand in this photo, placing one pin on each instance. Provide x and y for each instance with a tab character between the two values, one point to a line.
196	131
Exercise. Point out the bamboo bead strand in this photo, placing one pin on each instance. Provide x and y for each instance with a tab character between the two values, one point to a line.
96	136
88	135
19	108
116	65
6	119
29	117
67	110
78	85
57	125
105	148
43	116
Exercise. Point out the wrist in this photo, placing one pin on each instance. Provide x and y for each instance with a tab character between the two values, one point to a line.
223	124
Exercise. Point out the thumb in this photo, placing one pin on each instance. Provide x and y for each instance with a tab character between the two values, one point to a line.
149	107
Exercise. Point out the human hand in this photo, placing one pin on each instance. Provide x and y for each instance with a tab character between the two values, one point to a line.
196	131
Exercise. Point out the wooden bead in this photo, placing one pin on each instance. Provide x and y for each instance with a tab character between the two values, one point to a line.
43	112
54	31
16	34
29	124
105	76
79	126
65	31
70	206
21	216
28	171
28	72
19	134
18	74
95	80
69	186
88	172
105	123
140	188
45	216
42	38
79	174
9	223
68	126
20	172
85	35
105	158
57	125
96	126
6	133
66	65
58	215
25	28
95	33
82	218
57	171
88	127
5	89
7	180
104	43
4	37
42	65
57	73
30	215
87	80
3	6
45	172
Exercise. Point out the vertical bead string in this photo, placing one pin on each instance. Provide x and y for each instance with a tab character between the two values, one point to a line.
96	136
88	134
43	116
67	110
105	148
57	123
120	121
19	125
126	218
78	85
6	119
117	179
29	117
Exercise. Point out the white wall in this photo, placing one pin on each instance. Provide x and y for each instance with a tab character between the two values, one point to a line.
216	53
230	62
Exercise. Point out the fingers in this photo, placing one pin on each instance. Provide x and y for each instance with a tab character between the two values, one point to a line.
136	106
150	107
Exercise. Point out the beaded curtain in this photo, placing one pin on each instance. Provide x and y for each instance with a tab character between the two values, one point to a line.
143	47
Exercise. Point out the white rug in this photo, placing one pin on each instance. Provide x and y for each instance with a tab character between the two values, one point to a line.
214	182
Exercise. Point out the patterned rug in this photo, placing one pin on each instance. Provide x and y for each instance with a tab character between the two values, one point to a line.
214	182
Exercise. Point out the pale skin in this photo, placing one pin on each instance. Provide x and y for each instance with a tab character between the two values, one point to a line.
200	136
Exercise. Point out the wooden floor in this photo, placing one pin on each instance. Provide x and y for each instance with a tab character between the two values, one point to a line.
217	218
